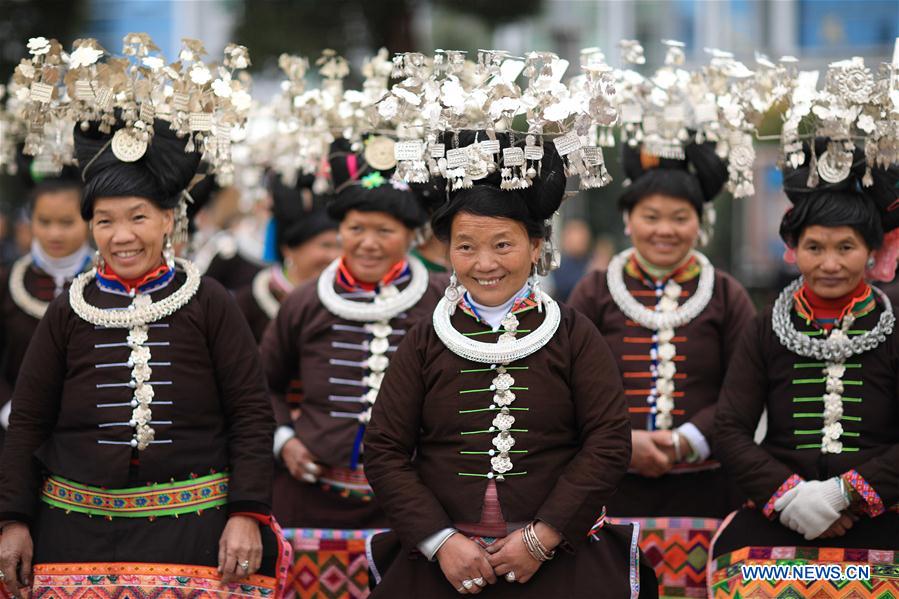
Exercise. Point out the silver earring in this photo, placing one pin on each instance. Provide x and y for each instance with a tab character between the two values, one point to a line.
453	293
536	288
99	263
168	252
871	262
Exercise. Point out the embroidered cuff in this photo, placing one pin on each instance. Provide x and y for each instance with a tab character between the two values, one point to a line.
430	546
788	484
701	449
873	504
282	435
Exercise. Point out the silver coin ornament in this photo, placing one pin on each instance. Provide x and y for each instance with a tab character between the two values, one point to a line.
128	147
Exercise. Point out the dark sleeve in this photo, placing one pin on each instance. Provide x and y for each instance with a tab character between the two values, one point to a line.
738	314
390	441
35	410
583	297
604	432
742	401
5	386
882	472
280	350
247	409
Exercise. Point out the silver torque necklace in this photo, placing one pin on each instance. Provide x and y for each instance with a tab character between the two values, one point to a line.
385	306
29	304
140	312
653	319
835	347
507	349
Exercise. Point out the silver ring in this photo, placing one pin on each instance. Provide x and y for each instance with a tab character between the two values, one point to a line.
460	590
244	565
480	581
468	584
510	576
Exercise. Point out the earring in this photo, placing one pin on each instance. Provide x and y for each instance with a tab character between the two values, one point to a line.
99	263
168	252
872	262
453	293
534	282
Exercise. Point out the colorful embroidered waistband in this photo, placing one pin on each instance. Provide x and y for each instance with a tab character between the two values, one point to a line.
347	482
165	499
102	580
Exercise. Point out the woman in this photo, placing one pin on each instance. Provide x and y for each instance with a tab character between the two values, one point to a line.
672	321
501	429
158	456
338	334
306	242
824	362
59	252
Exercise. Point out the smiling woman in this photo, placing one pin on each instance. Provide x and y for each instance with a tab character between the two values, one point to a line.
501	429
336	336
673	321
142	383
59	252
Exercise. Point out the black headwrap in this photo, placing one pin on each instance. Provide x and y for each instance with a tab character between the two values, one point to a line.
530	206
160	175
698	178
360	187
299	215
871	210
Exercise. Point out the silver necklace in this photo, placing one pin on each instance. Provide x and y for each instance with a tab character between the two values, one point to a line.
835	348
650	318
388	303
507	348
29	304
262	293
139	313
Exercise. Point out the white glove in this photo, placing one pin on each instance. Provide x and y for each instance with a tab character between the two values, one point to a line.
812	506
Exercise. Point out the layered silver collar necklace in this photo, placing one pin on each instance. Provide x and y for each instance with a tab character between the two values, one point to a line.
650	318
835	347
507	348
388	303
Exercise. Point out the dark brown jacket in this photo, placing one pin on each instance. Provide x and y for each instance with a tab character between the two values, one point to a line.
210	409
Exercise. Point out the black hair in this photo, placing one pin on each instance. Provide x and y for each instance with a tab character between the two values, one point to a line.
698	178
51	186
530	206
297	218
160	175
411	205
870	210
834	209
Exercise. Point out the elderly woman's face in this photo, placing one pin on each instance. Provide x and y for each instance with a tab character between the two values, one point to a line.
492	256
373	242
831	259
130	233
663	229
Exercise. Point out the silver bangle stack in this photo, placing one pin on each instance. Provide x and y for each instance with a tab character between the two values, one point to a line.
537	550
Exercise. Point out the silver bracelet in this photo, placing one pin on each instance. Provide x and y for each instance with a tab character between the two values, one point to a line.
675	441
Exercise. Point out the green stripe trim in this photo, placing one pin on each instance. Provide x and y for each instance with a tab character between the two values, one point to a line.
824	379
490	390
496	332
819	332
818	432
822	365
808	415
818	446
488	453
808	399
492	409
511	430
152	513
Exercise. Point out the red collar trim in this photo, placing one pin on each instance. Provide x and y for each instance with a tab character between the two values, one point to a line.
131	284
349	282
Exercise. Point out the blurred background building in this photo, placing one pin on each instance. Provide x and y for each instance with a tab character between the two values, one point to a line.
746	242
